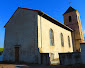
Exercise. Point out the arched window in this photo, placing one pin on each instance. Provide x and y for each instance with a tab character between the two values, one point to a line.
70	19
62	40
69	41
51	37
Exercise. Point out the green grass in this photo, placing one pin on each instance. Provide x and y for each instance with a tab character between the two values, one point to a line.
1	49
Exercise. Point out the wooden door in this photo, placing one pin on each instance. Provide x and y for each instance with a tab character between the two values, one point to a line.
17	54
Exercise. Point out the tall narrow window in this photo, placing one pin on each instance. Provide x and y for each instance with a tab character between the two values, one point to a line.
62	40
51	37
69	41
70	19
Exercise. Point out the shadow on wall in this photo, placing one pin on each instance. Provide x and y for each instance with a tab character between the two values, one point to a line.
70	58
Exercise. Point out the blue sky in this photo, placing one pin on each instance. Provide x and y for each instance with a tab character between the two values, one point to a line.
54	8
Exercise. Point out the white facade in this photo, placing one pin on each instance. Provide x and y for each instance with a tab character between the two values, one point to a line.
44	26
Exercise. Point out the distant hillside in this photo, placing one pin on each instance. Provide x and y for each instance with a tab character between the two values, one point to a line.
1	49
84	38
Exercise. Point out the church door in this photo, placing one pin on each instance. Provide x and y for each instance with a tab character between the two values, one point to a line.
16	54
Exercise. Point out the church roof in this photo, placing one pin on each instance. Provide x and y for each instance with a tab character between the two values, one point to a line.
46	17
70	9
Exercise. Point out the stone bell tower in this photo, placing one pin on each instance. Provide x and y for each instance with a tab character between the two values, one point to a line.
72	20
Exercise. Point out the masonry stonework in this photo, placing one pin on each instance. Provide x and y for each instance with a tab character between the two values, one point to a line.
75	24
22	31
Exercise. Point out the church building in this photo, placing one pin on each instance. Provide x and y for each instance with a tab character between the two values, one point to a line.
31	36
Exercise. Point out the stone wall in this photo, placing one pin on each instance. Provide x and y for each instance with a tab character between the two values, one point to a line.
83	52
75	24
22	30
70	58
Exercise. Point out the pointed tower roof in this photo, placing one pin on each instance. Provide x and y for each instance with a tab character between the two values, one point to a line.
70	9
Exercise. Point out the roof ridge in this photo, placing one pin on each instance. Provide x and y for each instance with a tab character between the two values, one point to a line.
30	9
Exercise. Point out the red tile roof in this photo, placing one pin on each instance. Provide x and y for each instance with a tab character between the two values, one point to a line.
30	9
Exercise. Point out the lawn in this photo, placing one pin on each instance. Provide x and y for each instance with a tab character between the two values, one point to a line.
1	49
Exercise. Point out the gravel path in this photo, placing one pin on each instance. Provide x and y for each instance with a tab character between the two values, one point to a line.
40	66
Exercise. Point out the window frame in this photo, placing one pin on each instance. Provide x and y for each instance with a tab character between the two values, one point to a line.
51	34
69	41
62	40
70	19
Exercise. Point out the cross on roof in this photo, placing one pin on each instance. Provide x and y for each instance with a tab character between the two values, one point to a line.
70	3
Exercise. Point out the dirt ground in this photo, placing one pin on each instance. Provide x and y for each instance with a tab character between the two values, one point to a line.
40	66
